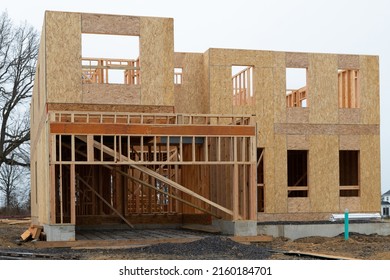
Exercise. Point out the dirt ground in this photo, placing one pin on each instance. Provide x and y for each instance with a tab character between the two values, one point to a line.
367	247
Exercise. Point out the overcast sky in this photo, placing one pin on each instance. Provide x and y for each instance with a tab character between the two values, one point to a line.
325	26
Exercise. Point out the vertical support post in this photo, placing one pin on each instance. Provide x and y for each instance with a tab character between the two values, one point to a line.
346	224
253	179
235	181
72	194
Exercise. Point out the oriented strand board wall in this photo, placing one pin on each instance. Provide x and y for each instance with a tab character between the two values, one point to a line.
323	174
38	115
369	93
156	60
370	184
63	53
111	94
110	24
323	88
190	96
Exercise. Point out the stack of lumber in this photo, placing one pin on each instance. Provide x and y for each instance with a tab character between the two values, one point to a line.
33	232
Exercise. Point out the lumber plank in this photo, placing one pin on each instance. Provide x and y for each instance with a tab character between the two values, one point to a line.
315	255
141	129
104	243
25	235
203	228
252	239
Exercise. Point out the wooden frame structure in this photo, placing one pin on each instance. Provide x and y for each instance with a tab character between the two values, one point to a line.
195	145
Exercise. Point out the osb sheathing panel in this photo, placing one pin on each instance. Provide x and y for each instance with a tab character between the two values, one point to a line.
221	100
110	24
326	129
109	108
350	203
369	93
298	115
264	87
279	74
349	116
370	182
206	80
348	61
297	60
323	88
349	142
231	57
270	198
40	192
299	205
111	94
323	177
190	96
63	53
38	98
156	60
280	174
298	142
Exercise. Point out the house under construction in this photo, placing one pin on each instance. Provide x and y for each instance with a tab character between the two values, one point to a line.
215	137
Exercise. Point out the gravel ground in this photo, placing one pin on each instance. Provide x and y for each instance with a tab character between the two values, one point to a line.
213	247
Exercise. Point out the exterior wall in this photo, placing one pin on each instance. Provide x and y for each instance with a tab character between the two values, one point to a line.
321	128
190	95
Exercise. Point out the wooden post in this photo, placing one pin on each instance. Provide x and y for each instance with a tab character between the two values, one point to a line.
72	194
235	182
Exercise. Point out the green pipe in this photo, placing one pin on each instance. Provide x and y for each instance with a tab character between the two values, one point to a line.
346	224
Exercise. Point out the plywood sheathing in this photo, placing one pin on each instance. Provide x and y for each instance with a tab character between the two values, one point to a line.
104	108
323	88
190	96
111	94
370	172
349	142
279	90
298	142
348	61
353	204
323	177
63	53
110	24
369	93
349	116
156	60
299	205
280	174
297	60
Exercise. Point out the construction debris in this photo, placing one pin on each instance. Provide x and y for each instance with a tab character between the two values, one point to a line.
33	232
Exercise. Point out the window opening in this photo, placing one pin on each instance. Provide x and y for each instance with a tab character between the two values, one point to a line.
349	173
178	76
349	88
260	180
242	81
110	59
296	87
297	174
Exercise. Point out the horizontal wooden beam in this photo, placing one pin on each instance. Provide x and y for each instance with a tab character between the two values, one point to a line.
142	129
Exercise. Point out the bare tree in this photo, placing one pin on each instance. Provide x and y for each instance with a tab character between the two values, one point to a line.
18	56
14	186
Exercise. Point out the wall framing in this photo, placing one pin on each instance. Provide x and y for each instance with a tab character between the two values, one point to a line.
143	140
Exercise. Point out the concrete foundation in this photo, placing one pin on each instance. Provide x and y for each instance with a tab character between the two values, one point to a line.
60	232
295	231
237	228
